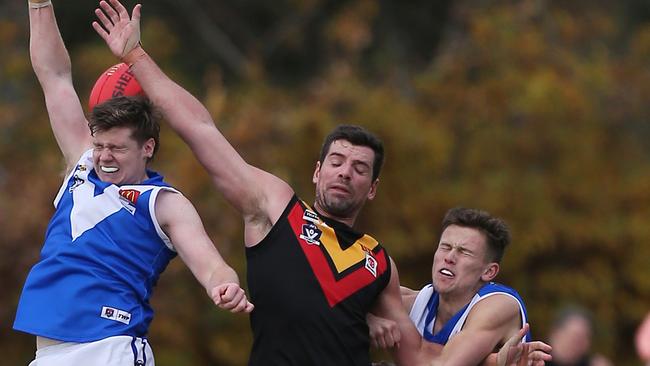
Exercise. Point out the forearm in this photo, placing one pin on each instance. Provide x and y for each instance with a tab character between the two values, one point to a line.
416	351
48	54
221	274
187	116
181	109
490	360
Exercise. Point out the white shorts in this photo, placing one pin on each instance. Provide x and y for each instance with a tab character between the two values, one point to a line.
111	351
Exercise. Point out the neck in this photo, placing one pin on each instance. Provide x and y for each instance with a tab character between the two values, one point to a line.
451	303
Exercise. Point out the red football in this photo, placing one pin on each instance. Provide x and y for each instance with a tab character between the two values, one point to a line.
118	80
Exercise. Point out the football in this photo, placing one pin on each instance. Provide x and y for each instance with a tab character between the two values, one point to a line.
118	80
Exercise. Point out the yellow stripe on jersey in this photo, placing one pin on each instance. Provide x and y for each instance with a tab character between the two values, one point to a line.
344	259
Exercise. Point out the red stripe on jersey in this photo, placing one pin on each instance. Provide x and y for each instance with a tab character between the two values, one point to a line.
335	291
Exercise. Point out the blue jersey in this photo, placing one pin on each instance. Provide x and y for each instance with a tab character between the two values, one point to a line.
102	256
424	310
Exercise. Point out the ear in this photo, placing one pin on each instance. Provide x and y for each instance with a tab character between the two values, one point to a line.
373	189
148	148
490	272
314	178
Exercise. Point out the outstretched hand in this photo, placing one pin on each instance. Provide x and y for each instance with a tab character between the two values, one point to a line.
514	352
229	296
120	31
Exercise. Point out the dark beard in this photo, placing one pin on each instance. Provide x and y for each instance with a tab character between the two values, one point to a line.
338	208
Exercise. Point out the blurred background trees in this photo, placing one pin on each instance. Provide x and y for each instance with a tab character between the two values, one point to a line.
536	111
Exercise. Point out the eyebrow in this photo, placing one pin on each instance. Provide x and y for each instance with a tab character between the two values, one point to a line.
355	161
335	154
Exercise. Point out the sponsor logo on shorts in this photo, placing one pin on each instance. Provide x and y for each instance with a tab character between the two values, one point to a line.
116	315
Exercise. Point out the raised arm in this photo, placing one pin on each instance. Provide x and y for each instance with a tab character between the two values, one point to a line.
51	64
180	221
259	196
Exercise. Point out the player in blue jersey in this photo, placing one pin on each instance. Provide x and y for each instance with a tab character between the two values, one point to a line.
294	250
115	228
462	308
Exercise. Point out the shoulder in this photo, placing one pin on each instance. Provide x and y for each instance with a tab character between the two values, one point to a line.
494	310
171	205
408	297
83	161
171	201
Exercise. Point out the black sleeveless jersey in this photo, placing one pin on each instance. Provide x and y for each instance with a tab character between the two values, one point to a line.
312	281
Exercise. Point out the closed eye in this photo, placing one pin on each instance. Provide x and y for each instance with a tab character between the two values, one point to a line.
466	252
444	246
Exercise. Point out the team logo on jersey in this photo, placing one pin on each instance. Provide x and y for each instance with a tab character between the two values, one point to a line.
77	182
311	234
371	264
116	315
82	168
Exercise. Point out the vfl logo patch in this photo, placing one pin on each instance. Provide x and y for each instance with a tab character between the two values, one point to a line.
311	234
116	315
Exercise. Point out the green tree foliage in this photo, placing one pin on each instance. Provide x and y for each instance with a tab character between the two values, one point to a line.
535	111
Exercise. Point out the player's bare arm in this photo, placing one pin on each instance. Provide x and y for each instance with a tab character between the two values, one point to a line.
408	297
489	325
412	350
181	223
52	67
259	196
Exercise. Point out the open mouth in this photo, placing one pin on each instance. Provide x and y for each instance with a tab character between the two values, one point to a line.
109	169
447	273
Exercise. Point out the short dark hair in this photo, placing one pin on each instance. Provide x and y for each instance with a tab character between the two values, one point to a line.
497	234
359	136
135	112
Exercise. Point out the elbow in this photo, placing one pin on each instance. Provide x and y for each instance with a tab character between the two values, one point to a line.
47	70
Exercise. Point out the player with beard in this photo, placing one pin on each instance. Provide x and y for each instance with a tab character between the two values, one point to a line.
311	275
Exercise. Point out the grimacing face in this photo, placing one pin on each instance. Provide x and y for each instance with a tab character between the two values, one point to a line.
118	158
460	263
344	179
